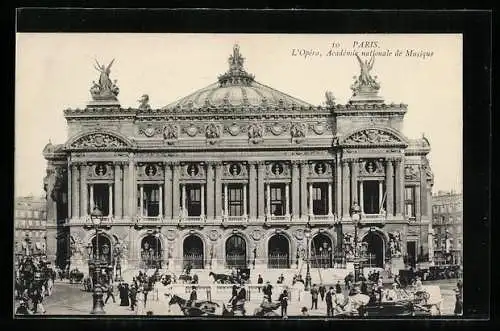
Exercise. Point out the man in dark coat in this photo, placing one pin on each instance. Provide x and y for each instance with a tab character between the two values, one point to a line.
338	287
322	291
329	302
192	297
284	303
242	294
314	297
260	281
268	291
133	296
109	292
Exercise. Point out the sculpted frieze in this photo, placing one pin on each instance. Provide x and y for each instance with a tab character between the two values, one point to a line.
278	170
192	129
149	171
372	136
320	169
193	170
412	172
150	130
233	129
98	140
320	127
100	170
235	170
255	133
371	168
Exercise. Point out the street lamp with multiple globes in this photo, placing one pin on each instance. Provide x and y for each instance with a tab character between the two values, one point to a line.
308	272
356	217
98	303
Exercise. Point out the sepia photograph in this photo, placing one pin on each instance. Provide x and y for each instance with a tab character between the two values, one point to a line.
214	175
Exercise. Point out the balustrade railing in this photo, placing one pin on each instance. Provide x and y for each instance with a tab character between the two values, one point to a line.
278	219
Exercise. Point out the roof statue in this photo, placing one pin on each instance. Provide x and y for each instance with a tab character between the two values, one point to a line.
330	98
236	74
144	102
105	89
365	87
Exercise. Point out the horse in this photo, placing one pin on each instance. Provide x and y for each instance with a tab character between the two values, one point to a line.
197	308
221	278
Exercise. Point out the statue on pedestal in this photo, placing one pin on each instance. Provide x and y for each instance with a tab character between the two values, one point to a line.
365	82
105	89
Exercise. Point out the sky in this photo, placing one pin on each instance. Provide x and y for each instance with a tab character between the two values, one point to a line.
54	71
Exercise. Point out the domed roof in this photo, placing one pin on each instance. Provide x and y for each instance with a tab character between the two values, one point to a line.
237	88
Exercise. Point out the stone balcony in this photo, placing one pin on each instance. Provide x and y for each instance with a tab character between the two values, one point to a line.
278	220
322	219
235	220
373	218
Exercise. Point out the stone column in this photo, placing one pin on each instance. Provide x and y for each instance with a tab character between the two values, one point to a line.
330	197
389	188
226	211
268	200
345	188
252	186
423	191
304	171
70	191
380	195
210	191
141	200
132	202
244	199
110	200
361	197
338	187
91	186
118	191
83	190
218	190
175	191
75	196
160	202
202	189
167	191
354	182
295	191
260	186
311	199
418	205
399	187
287	199
183	198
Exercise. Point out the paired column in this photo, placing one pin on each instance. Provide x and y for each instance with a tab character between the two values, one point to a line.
260	187
175	191
361	197
338	187
218	190
399	186
118	191
202	189
311	199
183	199
132	188
345	188
167	196
210	191
70	193
75	196
389	187
83	190
423	191
304	172
295	190
287	199
354	182
110	200
245	200
268	199
252	177
91	186
141	200
330	197
418	204
226	211
160	202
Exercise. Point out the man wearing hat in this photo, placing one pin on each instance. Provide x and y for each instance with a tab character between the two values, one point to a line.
192	297
284	303
329	301
133	296
268	291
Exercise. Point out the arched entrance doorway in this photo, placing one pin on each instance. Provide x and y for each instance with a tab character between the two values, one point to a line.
192	249
321	251
151	252
278	250
374	243
236	252
103	251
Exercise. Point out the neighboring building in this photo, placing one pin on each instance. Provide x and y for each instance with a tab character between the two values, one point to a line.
239	174
447	213
30	218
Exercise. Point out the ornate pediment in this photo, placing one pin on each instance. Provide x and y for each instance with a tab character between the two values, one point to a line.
98	140
374	136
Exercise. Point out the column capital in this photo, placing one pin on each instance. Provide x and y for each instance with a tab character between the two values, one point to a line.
295	163
253	162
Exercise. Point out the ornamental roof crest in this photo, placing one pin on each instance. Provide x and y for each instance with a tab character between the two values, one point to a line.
236	75
98	140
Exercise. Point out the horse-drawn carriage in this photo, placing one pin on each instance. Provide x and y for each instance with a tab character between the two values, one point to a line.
196	308
242	276
75	276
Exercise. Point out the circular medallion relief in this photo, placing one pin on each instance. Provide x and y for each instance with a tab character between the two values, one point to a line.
299	234
149	131
100	169
256	234
234	129
192	130
319	128
320	168
150	170
213	235
277	169
170	234
234	169
276	129
192	169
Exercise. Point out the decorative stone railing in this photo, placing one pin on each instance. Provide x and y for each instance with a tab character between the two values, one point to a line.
373	218
274	219
192	220
235	219
149	219
321	219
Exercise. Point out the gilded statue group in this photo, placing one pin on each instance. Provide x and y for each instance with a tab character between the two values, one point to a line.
105	88
365	80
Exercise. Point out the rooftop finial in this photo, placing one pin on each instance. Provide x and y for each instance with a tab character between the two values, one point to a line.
236	75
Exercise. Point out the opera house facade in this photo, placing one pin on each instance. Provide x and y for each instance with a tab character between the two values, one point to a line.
238	174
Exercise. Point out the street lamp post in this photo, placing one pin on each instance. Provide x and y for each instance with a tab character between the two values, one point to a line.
308	272
158	262
98	303
356	217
